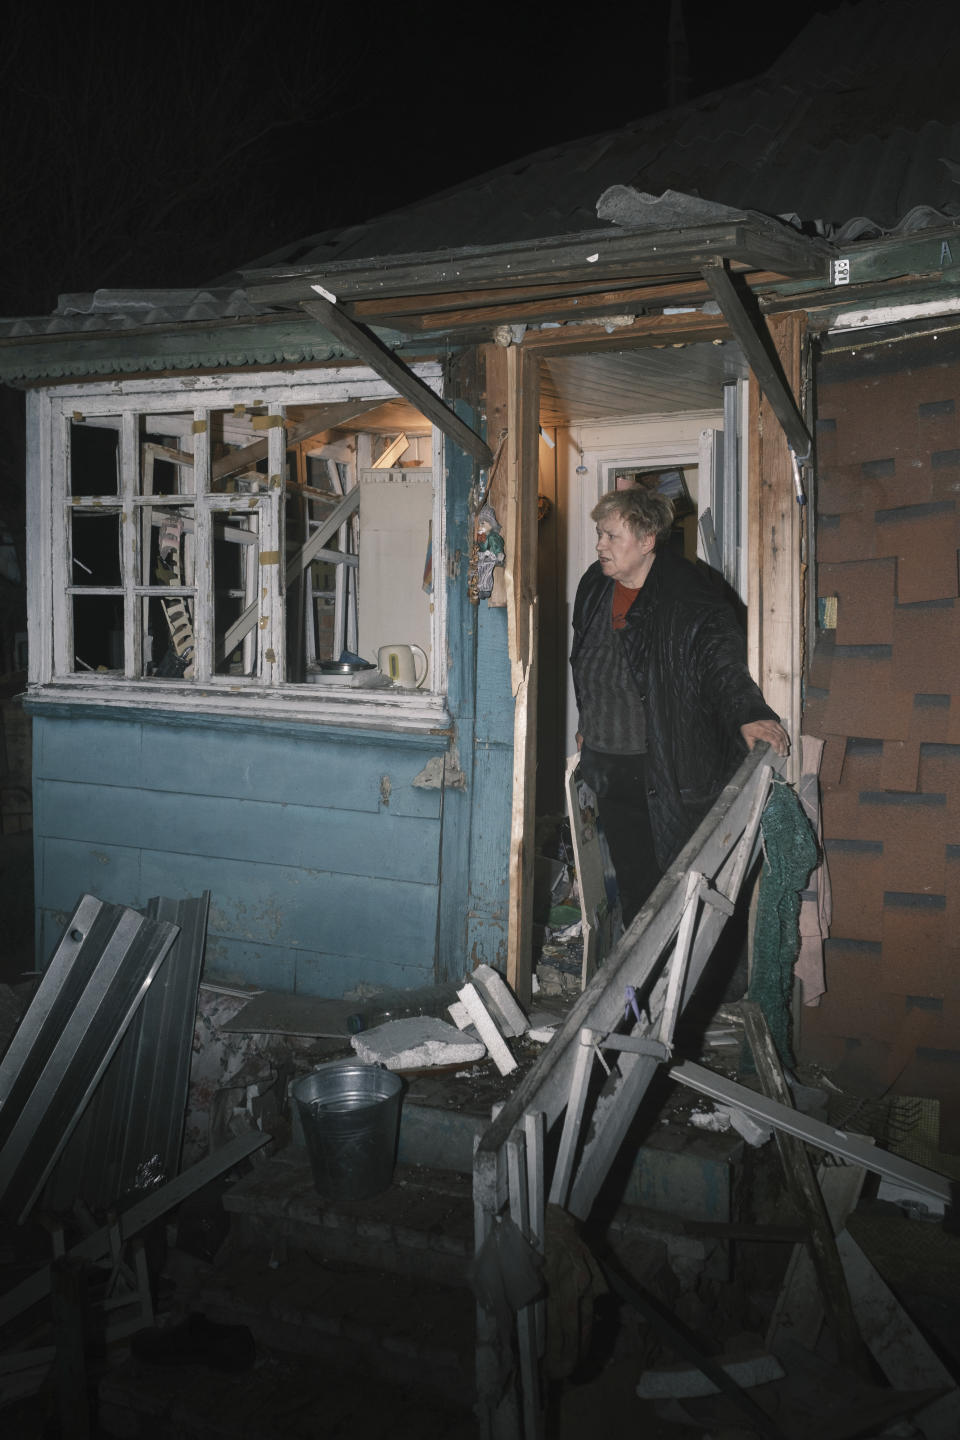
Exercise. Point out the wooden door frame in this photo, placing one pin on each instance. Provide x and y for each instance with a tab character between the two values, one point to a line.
776	557
523	469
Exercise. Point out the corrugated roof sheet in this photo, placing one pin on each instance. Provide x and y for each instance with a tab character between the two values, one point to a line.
859	118
131	309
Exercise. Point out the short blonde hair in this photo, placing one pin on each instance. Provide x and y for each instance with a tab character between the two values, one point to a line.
645	512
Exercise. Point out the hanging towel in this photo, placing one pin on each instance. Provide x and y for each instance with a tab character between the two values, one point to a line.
789	855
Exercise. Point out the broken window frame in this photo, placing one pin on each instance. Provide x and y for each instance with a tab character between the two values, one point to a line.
51	506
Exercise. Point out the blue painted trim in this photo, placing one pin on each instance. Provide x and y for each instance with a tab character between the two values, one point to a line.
433	740
451	946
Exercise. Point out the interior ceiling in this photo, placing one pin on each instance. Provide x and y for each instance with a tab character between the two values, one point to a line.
377	417
390	418
653	380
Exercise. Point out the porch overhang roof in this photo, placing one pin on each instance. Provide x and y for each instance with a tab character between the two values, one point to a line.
544	269
416	300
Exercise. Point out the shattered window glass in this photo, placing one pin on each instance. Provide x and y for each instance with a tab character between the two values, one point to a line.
225	542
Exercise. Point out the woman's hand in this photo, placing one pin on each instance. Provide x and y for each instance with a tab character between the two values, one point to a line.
769	730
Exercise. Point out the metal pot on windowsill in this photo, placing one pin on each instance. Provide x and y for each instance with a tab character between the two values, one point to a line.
354	666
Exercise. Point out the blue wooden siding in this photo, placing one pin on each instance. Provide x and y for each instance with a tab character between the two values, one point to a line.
476	819
321	877
490	813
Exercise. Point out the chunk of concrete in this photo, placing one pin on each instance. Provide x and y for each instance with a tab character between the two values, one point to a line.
416	1043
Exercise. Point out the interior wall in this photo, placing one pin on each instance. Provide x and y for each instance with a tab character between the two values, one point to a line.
551	691
884	695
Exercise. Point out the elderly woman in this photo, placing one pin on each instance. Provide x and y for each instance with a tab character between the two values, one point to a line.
667	705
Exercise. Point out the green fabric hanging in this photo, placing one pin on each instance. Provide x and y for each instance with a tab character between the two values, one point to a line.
789	855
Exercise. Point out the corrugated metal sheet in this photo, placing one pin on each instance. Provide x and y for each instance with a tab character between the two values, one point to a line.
90	992
129	1137
132	309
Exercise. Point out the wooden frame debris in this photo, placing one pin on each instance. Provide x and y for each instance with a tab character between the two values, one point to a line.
630	1010
720	853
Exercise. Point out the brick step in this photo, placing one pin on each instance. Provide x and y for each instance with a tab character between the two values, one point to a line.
359	1319
421	1226
285	1397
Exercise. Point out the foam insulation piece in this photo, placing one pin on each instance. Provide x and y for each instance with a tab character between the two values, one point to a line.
459	1014
687	1382
416	1043
487	1029
499	1001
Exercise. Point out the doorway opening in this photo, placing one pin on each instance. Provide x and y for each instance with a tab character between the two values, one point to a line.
673	419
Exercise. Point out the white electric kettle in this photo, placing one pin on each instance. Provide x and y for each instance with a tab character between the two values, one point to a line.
404	664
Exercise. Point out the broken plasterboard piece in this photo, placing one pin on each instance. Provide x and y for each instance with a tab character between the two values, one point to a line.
542	1034
487	1029
499	1001
416	1043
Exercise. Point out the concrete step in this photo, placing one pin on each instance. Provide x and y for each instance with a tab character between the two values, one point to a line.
422	1226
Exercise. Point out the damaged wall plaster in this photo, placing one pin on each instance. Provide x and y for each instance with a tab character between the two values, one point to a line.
441	772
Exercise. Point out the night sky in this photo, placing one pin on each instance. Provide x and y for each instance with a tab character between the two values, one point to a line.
153	146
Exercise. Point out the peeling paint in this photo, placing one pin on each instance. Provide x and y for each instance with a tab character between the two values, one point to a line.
441	772
386	785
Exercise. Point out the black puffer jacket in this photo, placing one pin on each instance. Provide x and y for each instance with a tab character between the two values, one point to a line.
688	654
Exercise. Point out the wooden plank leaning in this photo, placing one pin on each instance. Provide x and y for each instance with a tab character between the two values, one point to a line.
97	1245
546	1086
616	1108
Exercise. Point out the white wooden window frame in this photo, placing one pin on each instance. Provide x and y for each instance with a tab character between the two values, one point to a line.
51	674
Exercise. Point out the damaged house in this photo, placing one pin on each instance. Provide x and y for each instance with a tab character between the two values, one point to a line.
754	298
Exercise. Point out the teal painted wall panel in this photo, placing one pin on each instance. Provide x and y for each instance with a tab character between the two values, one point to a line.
384	920
207	826
67	869
490	826
273	967
369	920
305	895
495	707
487	940
81	749
257	764
324	974
475	894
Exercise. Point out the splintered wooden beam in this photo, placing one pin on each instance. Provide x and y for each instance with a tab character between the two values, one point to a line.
759	357
365	345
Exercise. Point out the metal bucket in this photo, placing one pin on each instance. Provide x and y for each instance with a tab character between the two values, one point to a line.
350	1115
